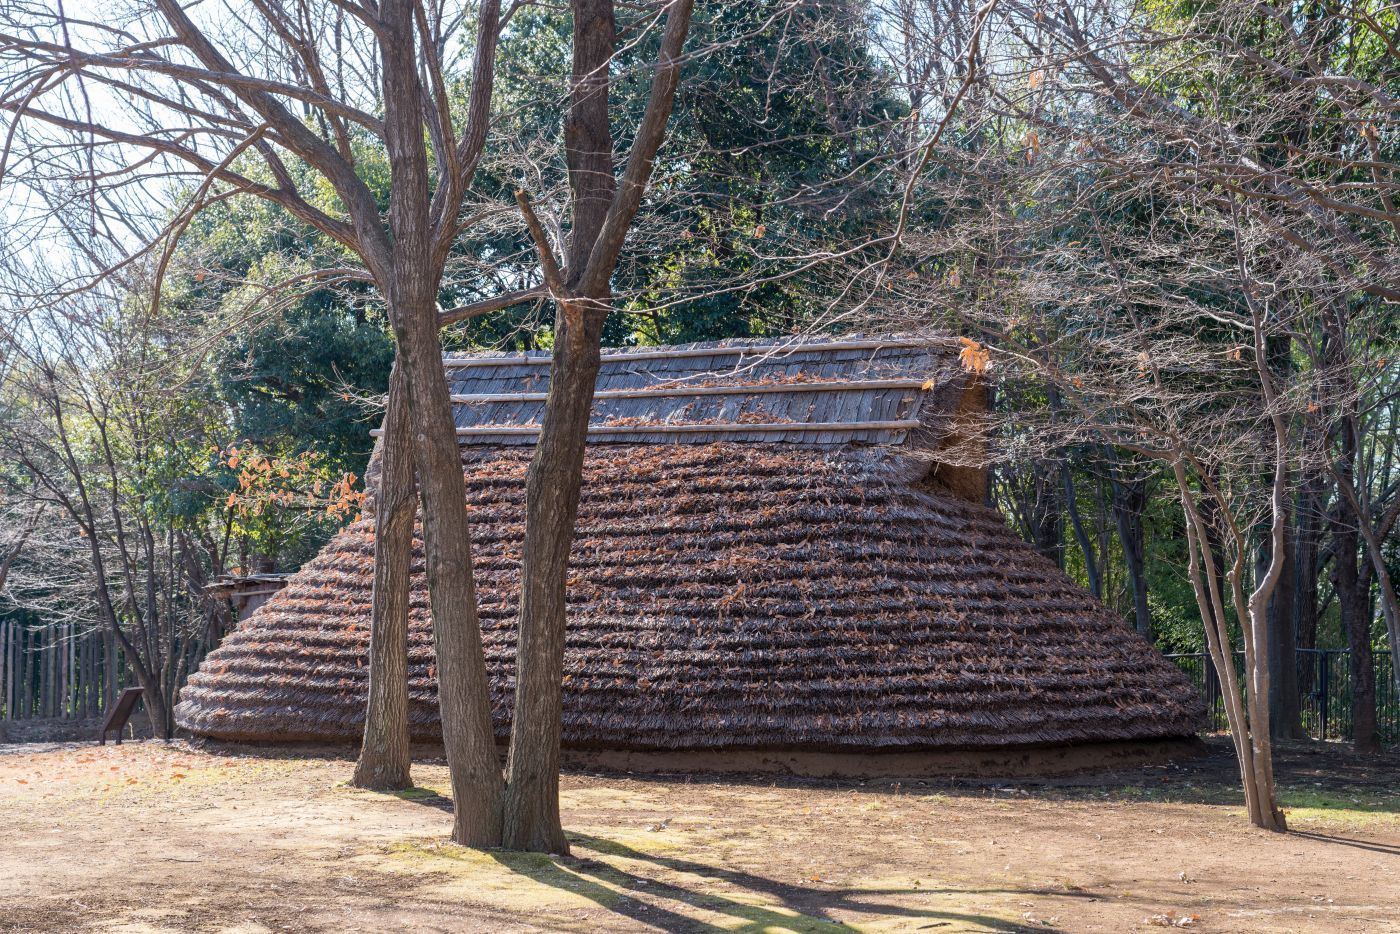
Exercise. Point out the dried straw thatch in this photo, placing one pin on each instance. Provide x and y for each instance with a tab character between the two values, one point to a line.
810	596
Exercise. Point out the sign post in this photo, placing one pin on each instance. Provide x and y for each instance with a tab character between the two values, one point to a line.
119	714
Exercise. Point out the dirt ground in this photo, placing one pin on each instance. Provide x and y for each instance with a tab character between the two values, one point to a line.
151	837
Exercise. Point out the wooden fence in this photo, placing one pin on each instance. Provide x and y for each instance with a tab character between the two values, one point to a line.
57	670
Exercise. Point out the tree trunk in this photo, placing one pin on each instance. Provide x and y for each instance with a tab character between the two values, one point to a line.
1354	603
5	673
1081	537
410	284
602	214
1284	719
464	701
1306	564
109	668
153	700
588	146
1254	612
1047	527
26	685
556	470
1247	717
552	495
1129	502
1379	571
384	761
1352	581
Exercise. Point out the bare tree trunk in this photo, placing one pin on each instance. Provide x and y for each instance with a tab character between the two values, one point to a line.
6	674
1352	580
384	761
603	213
1248	715
1355	606
109	668
26	685
1389	602
410	284
1253	612
1129	501
532	792
157	709
45	665
1306	564
464	700
1205	581
1047	528
1081	537
552	486
1283	640
1375	566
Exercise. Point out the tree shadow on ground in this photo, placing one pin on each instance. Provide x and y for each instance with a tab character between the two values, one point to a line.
424	796
1374	847
759	904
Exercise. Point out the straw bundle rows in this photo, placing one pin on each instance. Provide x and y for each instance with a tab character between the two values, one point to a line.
732	596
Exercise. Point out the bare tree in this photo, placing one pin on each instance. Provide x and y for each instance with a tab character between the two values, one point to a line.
259	104
603	211
15	546
88	436
212	102
1143	240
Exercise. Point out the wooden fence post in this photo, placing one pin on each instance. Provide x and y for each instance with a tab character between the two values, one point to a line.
89	676
5	667
27	674
109	666
50	668
65	680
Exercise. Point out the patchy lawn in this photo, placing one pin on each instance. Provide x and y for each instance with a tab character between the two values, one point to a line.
153	837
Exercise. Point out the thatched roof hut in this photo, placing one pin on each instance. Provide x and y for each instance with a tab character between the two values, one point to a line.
777	555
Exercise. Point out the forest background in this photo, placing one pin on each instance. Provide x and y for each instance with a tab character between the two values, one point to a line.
1093	195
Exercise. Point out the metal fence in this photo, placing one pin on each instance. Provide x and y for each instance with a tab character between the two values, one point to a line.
1324	692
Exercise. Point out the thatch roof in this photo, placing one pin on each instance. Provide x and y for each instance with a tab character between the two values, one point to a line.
810	594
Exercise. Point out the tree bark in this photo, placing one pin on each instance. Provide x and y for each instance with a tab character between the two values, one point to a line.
553	484
1253	612
552	494
1354	603
464	700
157	710
1282	641
603	211
588	146
1081	537
1310	516
1352	580
1202	570
1046	525
1129	501
410	285
384	762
